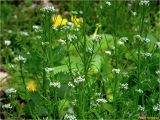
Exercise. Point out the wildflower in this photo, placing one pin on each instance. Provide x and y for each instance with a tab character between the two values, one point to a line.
59	21
96	38
123	39
9	31
140	108
89	50
116	70
72	38
70	84
62	42
24	33
108	3
55	84
156	107
49	9
77	21
137	37
45	43
124	86
20	58
108	52
158	72
79	79
158	45
10	90
48	70
147	54
7	106
7	42
31	86
101	100
146	40
139	90
144	2
69	117
120	43
133	13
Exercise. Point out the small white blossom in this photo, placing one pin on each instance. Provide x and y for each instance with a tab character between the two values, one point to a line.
45	43
120	43
24	33
123	39
108	3
144	2
20	58
7	42
55	84
147	54
146	40
70	84
62	42
139	90
158	45
158	72
9	31
116	70
124	86
156	107
101	100
134	13
48	70
137	37
72	38
49	9
79	79
7	106
96	38
108	52
10	90
70	117
140	108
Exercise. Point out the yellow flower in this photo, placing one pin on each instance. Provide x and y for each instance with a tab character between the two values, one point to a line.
77	21
31	86
58	21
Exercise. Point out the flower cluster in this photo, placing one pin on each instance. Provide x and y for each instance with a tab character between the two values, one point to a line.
70	117
55	84
139	90
20	58
7	106
140	108
79	79
10	90
156	107
49	9
124	86
144	2
70	84
101	100
7	42
117	71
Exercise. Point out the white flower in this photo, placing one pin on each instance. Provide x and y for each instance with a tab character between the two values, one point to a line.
134	13
137	37
156	107
108	52
116	70
49	9
139	90
101	100
146	40
24	33
144	2
158	72
123	39
79	79
96	38
55	84
140	108
62	42
20	58
10	90
70	117
120	43
124	86
7	42
48	70
108	3
158	45
8	106
147	54
45	43
70	84
10	31
72	37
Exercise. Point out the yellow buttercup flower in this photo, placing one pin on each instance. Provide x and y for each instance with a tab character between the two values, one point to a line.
31	86
59	21
77	21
